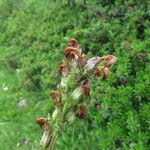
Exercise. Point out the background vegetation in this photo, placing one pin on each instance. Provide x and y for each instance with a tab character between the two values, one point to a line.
33	35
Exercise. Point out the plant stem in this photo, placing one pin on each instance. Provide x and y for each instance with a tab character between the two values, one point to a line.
53	141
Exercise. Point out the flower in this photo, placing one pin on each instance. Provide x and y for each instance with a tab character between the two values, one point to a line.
53	93
41	121
83	112
74	43
55	113
76	93
83	59
72	53
92	62
46	135
110	59
71	117
57	98
101	70
64	82
63	70
85	87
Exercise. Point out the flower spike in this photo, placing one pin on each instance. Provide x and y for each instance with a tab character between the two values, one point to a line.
77	73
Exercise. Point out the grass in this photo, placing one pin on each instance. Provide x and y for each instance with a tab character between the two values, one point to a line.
16	124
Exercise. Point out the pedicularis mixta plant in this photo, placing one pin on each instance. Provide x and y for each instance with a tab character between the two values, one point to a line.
70	100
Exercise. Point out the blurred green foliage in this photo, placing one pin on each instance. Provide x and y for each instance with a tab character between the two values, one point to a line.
33	35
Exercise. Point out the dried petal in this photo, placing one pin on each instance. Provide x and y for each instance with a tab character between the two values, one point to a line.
85	87
53	93
101	70
83	59
72	53
106	73
91	63
41	121
110	59
57	98
83	112
63	70
74	43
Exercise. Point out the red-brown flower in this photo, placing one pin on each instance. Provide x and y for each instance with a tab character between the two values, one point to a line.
83	112
83	59
63	68
85	87
57	98
110	59
102	71
41	121
92	62
74	43
72	53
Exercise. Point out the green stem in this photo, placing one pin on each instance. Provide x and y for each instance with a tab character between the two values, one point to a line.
53	141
